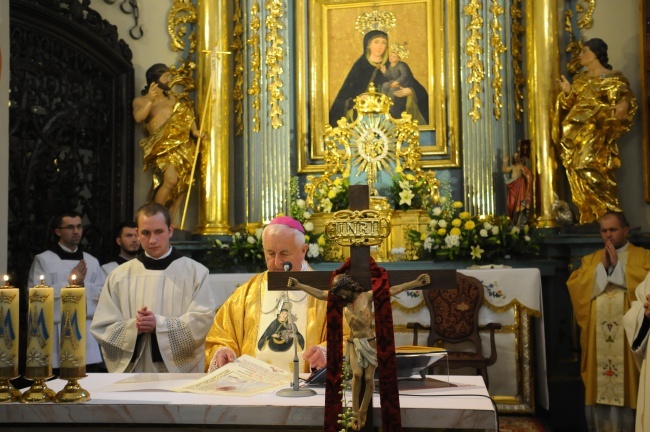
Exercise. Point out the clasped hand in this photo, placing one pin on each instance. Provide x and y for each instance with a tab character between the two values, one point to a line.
610	256
145	321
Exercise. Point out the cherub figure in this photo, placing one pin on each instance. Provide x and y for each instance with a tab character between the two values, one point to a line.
362	346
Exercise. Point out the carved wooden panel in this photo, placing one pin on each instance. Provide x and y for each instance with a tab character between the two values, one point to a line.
71	129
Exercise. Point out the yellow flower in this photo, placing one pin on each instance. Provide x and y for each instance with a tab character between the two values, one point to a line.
331	194
423	236
456	222
441	231
457	204
398	169
410	177
338	181
464	215
306	238
321	241
476	252
455	231
470	225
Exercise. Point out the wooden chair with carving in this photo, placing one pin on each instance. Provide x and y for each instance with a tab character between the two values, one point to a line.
454	322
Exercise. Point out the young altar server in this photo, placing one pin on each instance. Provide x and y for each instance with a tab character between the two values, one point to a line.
155	311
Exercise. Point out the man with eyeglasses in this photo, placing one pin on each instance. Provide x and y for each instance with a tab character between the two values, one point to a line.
63	264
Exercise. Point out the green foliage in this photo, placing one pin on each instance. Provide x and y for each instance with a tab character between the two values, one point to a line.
332	198
246	251
456	234
347	416
408	192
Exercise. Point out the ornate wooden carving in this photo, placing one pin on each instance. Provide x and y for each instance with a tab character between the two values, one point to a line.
71	128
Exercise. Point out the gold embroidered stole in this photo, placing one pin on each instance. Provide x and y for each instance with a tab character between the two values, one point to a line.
610	346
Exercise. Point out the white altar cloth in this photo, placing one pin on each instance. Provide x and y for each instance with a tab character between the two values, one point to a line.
469	408
513	296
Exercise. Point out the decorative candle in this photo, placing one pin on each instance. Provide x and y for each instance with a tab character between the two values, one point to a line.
73	330
9	316
40	330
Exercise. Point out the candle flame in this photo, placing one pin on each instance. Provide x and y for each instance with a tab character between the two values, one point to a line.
42	278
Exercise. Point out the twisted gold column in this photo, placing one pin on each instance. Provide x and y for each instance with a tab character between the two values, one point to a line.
213	34
543	68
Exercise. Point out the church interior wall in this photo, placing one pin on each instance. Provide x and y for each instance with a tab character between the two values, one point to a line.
609	19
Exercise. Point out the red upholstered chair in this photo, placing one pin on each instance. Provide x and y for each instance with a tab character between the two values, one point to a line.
454	321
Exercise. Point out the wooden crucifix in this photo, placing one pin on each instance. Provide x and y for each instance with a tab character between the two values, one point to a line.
364	273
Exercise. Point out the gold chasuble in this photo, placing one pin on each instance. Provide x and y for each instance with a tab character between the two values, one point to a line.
607	367
237	323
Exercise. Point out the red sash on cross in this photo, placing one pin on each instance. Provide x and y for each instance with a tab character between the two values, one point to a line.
387	363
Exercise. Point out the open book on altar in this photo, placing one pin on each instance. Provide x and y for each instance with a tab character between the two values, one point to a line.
245	376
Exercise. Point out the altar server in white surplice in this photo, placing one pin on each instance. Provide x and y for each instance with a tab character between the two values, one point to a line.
637	328
58	265
155	310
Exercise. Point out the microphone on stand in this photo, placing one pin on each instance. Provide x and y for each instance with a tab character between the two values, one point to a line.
294	390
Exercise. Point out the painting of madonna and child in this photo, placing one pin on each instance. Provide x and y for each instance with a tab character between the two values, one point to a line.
389	45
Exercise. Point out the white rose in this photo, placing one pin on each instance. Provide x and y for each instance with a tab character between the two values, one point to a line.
433	224
251	240
495	230
306	215
442	223
308	226
300	203
313	251
483	233
527	238
452	240
487	225
437	211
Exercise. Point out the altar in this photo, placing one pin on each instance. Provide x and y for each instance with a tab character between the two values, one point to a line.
513	297
145	402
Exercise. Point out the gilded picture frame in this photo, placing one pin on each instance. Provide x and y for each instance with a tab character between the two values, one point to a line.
331	45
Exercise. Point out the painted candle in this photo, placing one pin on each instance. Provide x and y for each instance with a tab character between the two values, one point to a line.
40	328
9	316
73	327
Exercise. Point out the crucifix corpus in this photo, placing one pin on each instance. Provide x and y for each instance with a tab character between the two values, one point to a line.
351	288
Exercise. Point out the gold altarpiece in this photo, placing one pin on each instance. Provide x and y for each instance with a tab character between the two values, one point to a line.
226	26
372	145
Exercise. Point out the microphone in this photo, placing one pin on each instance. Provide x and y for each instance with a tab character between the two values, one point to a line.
287	266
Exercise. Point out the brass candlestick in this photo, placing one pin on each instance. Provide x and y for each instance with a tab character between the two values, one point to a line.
9	342
72	392
8	392
39	391
73	343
